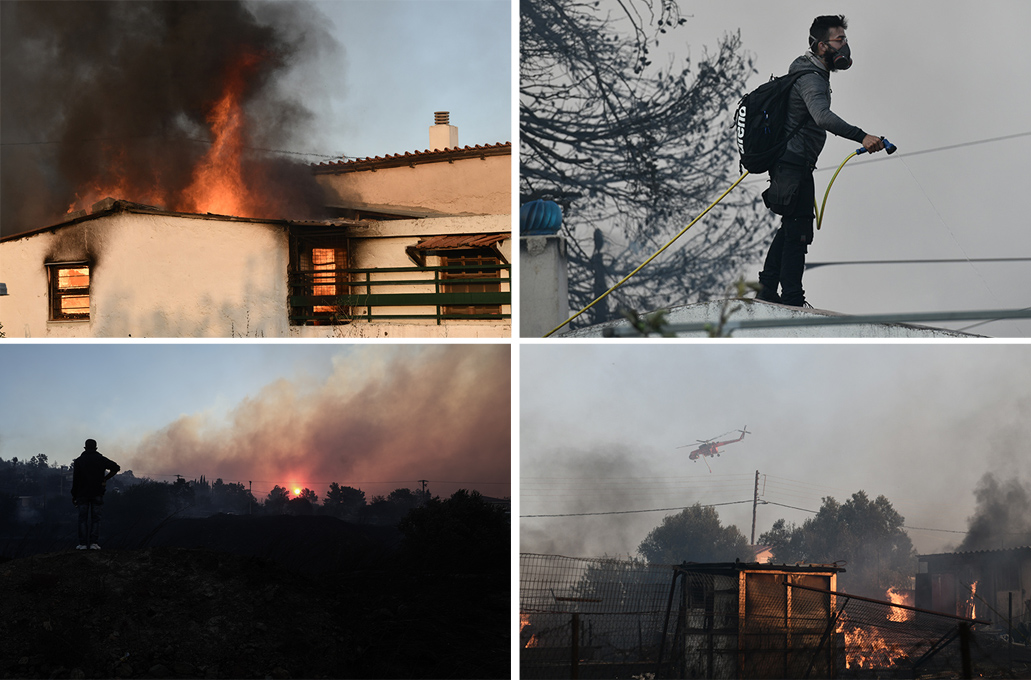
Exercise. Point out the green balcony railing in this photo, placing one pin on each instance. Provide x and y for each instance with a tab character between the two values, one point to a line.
402	293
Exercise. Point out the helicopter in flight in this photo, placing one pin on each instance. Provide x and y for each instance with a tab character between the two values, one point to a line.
711	448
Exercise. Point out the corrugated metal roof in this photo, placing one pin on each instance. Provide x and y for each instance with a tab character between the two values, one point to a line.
1019	548
461	241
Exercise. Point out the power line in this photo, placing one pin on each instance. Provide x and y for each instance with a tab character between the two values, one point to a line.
631	512
813	265
335	481
950	147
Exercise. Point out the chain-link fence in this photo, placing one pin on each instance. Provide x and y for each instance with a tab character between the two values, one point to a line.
590	618
609	618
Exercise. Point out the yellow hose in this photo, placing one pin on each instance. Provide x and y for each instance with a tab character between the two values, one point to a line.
821	208
657	253
819	220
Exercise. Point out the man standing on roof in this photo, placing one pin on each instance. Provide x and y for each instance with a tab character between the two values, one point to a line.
88	486
792	193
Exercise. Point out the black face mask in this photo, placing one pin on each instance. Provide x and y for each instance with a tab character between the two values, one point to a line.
838	60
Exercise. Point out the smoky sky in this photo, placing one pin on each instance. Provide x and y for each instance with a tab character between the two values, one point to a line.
1002	518
440	413
90	87
920	424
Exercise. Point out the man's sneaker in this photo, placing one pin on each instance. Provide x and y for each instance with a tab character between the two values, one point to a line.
81	546
94	546
768	296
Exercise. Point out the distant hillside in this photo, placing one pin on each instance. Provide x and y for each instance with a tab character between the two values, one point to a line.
260	597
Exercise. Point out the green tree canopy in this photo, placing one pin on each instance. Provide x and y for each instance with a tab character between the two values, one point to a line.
694	535
867	535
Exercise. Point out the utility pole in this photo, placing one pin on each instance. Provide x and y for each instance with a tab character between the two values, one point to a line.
250	497
755	504
422	501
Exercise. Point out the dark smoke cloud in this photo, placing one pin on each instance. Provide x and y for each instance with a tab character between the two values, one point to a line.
126	84
1002	518
438	413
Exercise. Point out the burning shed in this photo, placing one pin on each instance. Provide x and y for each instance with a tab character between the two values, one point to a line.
994	585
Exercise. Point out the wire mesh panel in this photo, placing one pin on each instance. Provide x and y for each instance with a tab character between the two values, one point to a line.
590	618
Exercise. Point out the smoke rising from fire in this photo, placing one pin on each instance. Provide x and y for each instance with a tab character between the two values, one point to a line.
1002	518
119	96
437	412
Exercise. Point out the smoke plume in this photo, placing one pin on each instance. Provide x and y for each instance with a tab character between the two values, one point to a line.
440	413
92	90
1002	518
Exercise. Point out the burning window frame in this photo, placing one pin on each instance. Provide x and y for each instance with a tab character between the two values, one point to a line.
303	261
61	277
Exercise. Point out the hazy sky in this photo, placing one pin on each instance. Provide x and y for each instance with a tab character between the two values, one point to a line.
927	74
399	61
918	423
375	416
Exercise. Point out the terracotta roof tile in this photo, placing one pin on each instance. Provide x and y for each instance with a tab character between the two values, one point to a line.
413	157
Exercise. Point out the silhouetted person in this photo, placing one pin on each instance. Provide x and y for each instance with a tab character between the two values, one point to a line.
88	486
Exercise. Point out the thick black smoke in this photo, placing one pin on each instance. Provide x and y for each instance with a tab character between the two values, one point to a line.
90	87
1003	515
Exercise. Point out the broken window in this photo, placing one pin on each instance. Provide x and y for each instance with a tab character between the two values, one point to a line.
318	278
69	291
473	269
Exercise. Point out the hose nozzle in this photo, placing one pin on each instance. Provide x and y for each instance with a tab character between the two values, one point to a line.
888	146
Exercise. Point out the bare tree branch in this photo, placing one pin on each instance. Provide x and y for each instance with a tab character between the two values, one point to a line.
632	152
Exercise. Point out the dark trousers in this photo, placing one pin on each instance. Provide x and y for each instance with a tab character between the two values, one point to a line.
792	195
89	521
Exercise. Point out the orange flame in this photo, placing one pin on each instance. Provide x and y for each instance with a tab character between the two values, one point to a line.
866	648
218	184
899	597
971	603
524	621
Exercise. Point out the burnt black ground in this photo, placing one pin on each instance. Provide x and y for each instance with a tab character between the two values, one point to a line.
314	598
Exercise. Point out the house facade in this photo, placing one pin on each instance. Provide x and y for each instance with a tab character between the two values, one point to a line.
418	246
128	270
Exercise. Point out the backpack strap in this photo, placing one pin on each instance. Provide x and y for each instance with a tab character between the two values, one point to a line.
796	75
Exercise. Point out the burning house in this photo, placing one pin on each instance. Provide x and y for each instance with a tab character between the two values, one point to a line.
419	246
146	190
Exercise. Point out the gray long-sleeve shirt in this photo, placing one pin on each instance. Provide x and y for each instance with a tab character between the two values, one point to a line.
811	99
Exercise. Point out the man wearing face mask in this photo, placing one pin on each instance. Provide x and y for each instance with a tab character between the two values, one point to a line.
792	193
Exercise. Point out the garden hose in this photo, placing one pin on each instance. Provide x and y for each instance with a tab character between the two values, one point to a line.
891	148
657	253
888	146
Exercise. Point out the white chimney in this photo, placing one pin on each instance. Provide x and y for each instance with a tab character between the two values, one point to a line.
442	135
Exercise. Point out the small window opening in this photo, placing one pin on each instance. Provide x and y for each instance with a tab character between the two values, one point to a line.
69	292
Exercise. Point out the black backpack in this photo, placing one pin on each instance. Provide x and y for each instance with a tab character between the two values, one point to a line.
760	120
